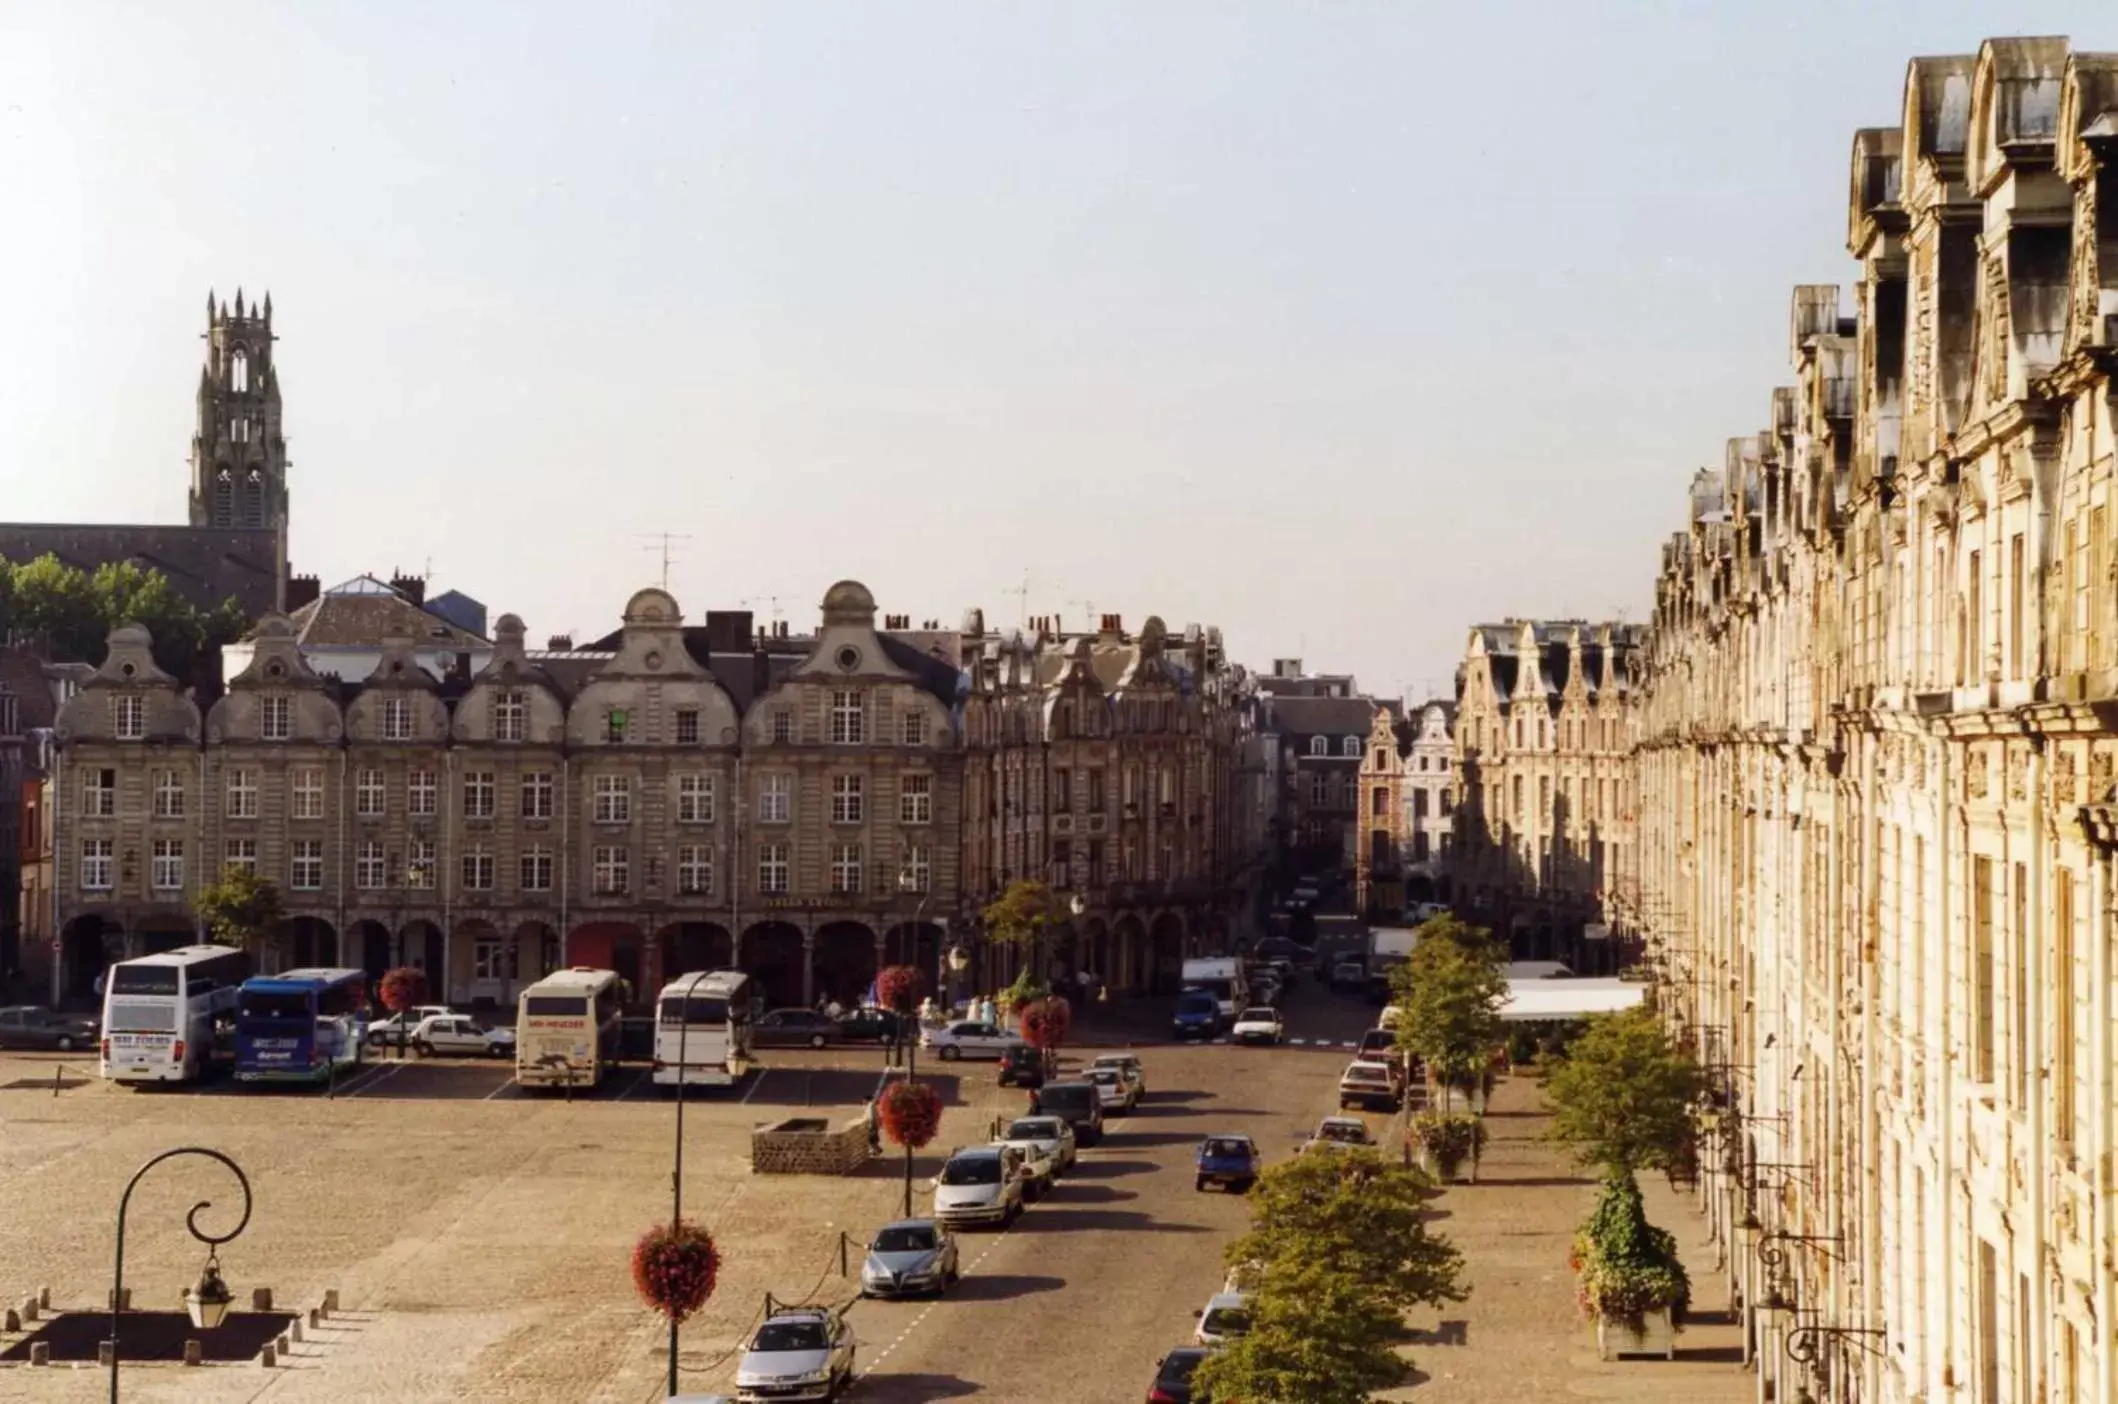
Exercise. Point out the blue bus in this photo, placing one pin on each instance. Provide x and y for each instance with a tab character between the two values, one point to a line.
300	1025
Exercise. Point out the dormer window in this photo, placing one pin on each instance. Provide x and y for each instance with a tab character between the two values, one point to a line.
275	718
616	723
782	725
1351	746
129	717
1318	746
687	726
510	716
397	719
849	718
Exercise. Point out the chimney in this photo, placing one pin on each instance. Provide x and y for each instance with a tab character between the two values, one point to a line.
412	587
760	672
302	590
728	630
560	643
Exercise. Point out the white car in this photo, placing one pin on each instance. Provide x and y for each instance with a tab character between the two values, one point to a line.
805	1353
1127	1063
1258	1024
461	1034
1113	1092
1227	1315
1049	1136
969	1038
385	1030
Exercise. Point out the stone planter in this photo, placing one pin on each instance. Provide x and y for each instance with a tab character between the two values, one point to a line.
809	1146
1656	1336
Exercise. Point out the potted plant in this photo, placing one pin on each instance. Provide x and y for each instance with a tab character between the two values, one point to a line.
1628	1276
1445	1140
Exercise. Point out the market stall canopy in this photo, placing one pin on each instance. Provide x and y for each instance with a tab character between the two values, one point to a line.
1569	999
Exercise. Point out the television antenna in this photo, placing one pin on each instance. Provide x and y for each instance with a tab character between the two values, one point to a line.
665	543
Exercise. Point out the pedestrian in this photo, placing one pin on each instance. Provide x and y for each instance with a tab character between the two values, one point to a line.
874	1127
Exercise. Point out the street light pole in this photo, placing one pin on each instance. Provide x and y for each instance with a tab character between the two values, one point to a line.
676	1173
208	1301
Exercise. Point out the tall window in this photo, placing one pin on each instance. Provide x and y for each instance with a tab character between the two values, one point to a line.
2063	1019
687	726
782	725
849	718
915	727
1129	786
1095	862
1318	790
397	719
95	865
1974	667
536	868
845	867
480	792
695	869
1351	746
422	792
305	872
306	792
99	793
915	799
846	799
2019	998
275	718
918	868
2016	667
242	793
129	717
537	794
367	794
1062	864
1095	789
1982	966
368	865
167	865
419	864
510	716
1319	746
1062	791
240	853
613	869
694	799
775	799
772	868
168	795
617	725
477	868
1379	802
613	799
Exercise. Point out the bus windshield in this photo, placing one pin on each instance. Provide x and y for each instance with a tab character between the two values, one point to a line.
258	1004
699	1009
555	1006
144	979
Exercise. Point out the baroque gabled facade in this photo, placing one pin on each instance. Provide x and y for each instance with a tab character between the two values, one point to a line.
1878	738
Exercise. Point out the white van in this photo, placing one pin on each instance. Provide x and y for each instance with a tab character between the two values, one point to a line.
1222	977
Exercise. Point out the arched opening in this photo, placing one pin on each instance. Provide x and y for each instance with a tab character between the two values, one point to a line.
916	944
1166	941
310	942
482	964
691	946
1096	949
420	946
608	945
91	943
537	953
845	962
1129	959
371	940
772	954
239	371
165	931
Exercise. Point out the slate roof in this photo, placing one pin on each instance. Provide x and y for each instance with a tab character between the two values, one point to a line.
205	564
357	616
1323	716
27	676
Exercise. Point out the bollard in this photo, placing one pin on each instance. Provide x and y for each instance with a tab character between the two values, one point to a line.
281	1346
30	1309
261	1299
44	1298
40	1352
12	1321
330	1300
315	1318
294	1330
194	1353
267	1357
104	1351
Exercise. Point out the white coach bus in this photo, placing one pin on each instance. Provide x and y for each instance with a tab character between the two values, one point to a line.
160	1011
566	1028
702	1030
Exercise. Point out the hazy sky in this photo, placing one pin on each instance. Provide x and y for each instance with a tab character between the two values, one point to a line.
1339	325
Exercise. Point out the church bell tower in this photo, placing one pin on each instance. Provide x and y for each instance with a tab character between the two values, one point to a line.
238	455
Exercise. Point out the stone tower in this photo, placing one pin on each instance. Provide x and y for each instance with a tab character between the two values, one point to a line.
238	455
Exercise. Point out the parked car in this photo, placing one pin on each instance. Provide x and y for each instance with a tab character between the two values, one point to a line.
1368	1086
1228	1160
1198	1014
802	1353
1078	1102
868	1024
385	1030
1127	1063
1021	1066
1342	1131
794	1028
1278	949
1050	1136
1173	1377
1227	1315
911	1255
32	1026
980	1185
969	1038
1378	1046
1258	1024
1112	1090
1349	975
460	1033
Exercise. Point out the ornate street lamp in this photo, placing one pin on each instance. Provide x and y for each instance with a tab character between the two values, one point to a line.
207	1302
959	961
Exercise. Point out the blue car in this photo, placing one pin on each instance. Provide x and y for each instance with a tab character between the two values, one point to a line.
1229	1161
1198	1014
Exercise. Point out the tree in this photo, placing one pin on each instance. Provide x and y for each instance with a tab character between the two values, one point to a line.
1020	917
73	611
1622	1095
54	601
1316	1337
241	909
1448	994
911	1117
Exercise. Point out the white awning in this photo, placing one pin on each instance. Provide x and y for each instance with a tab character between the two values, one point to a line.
1569	999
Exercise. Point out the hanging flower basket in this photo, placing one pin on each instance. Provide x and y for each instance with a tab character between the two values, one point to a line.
1046	1023
674	1268
403	988
910	1114
1445	1140
900	988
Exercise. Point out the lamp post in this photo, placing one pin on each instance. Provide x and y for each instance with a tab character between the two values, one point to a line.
208	1300
959	961
676	1170
1075	906
908	882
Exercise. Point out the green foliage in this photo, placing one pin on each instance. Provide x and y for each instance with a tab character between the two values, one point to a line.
1316	1337
1624	1266
241	909
1622	1095
1022	914
73	611
1448	1138
1448	995
1027	989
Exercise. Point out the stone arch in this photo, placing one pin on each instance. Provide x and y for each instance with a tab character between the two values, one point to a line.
310	942
609	945
368	945
843	963
1096	948
88	946
420	945
1165	941
481	964
1129	954
164	929
917	943
686	946
538	952
773	956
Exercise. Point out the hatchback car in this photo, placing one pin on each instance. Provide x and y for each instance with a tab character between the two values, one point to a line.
1227	1315
1127	1063
969	1038
1173	1377
1021	1066
459	1033
1229	1161
1049	1136
1342	1131
1198	1015
1112	1090
1258	1024
794	1028
1079	1102
912	1255
806	1353
1378	1046
980	1185
385	1030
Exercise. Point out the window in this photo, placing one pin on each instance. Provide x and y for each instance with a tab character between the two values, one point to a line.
915	727
307	793
242	793
479	794
275	718
695	799
1095	789
1062	864
1062	800
420	864
489	960
1351	746
1973	666
99	793
2063	987
367	794
1095	862
1318	746
510	716
1982	966
775	799
397	719
367	865
477	869
1379	801
168	795
616	722
2019	999
536	868
849	718
772	868
1381	764
687	726
915	799
95	865
167	870
1129	786
1419	804
2015	603
782	725
1318	790
129	717
918	870
613	869
846	799
537	795
695	869
306	872
1443	803
845	867
613	799
240	853
422	792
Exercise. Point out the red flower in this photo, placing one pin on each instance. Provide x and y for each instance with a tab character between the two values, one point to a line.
901	987
1046	1022
910	1113
675	1268
403	988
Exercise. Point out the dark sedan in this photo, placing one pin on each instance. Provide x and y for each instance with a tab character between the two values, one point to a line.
794	1028
1173	1377
30	1026
871	1025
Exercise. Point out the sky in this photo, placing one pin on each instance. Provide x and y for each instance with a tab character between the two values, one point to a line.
1340	326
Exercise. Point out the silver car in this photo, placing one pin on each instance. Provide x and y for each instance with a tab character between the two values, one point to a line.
912	1255
1049	1136
806	1353
981	1185
1129	1064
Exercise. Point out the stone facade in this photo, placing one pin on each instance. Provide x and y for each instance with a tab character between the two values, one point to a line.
1428	794
1875	767
1379	856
